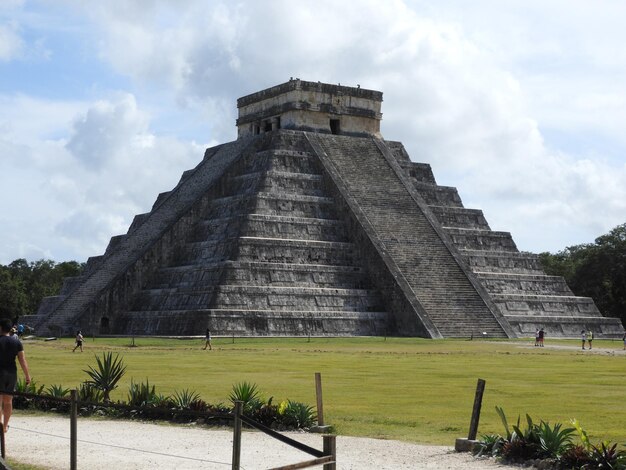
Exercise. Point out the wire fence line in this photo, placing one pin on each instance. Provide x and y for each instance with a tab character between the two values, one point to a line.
327	457
84	441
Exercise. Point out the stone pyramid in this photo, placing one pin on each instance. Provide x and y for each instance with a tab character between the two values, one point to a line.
311	224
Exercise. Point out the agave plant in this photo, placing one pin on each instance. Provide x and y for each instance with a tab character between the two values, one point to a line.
87	392
184	399
298	415
57	391
110	369
553	441
247	393
141	394
489	445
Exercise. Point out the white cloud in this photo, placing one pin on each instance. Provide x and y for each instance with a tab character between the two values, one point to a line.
495	97
11	44
90	184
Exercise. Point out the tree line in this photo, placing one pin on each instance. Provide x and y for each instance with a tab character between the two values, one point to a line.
24	284
596	270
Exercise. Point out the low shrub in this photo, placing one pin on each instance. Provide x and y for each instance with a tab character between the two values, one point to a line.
552	445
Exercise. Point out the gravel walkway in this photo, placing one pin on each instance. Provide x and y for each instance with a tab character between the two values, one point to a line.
131	445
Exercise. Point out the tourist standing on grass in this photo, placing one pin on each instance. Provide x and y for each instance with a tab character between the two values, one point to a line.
537	337
624	340
583	336
542	335
10	348
589	338
207	338
79	341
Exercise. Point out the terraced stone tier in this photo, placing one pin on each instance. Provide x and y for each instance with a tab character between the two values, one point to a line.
290	161
566	326
250	322
296	251
295	205
504	283
545	305
290	227
293	275
435	195
502	262
304	184
295	298
474	239
460	217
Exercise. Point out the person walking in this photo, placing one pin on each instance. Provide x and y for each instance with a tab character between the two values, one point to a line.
542	335
537	337
589	338
79	341
583	336
10	348
207	338
624	340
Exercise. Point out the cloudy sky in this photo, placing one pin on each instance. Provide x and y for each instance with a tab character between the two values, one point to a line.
519	104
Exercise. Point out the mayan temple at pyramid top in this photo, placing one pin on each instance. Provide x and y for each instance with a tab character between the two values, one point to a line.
311	106
311	224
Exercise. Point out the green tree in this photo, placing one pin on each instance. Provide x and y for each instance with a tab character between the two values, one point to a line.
24	284
596	270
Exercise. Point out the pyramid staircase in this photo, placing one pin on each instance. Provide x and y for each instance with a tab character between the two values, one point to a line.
527	297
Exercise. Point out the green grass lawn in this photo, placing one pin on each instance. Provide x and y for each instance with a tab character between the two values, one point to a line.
400	388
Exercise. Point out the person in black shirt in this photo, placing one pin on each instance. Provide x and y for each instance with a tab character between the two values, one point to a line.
10	348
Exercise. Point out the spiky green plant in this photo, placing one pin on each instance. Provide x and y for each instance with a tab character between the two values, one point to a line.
298	415
141	394
110	369
553	441
87	392
247	393
184	399
57	391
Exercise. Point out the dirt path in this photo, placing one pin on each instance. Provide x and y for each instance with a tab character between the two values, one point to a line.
612	351
130	445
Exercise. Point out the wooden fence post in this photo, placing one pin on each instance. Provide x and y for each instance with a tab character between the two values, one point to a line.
478	402
73	428
3	452
237	411
318	395
330	448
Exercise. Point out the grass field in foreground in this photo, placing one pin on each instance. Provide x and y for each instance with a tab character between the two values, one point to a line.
398	388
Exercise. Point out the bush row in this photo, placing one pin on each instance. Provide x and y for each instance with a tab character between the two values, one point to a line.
550	447
143	401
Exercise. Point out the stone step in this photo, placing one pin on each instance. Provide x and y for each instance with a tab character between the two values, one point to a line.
475	239
410	242
503	283
460	217
278	182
